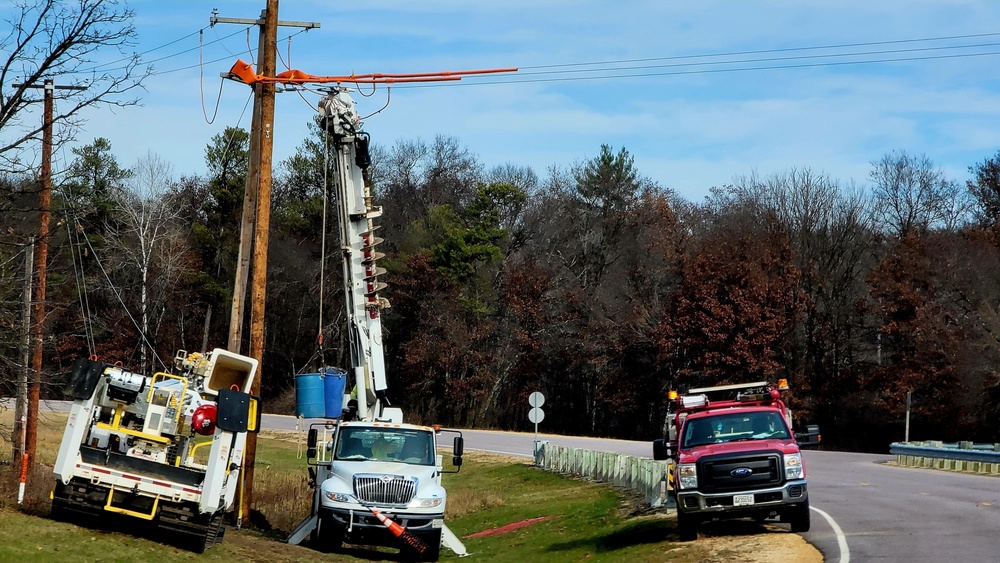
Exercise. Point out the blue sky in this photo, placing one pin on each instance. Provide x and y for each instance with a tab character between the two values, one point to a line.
690	126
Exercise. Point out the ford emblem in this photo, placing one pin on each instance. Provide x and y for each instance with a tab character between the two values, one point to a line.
741	472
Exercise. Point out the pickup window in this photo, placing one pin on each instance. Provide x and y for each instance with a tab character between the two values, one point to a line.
734	428
388	444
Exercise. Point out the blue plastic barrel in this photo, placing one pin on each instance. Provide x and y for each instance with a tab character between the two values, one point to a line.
310	397
334	381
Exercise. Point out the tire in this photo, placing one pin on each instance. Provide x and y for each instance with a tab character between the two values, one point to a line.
687	526
800	518
330	536
433	553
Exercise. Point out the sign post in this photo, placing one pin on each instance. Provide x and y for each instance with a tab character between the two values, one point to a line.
536	414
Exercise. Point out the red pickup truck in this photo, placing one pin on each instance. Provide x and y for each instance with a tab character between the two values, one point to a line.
736	457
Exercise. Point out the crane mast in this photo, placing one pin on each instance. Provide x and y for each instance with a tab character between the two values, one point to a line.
358	241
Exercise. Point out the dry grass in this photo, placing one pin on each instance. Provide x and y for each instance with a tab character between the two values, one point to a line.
39	482
461	503
283	498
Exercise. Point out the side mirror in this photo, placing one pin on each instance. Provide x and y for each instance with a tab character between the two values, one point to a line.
661	450
458	448
810	438
311	443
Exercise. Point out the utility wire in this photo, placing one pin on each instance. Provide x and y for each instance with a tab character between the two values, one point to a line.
147	51
471	81
163	58
118	294
766	60
766	51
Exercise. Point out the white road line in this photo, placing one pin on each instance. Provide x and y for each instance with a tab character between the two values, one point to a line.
845	552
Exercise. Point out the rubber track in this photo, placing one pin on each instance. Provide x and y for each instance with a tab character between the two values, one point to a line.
182	525
177	524
71	510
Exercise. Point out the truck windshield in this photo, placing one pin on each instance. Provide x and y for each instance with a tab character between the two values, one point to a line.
734	427
385	444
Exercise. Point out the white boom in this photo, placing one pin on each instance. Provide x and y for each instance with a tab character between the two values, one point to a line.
358	242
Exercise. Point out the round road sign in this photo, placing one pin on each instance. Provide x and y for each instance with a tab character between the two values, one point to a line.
536	415
536	399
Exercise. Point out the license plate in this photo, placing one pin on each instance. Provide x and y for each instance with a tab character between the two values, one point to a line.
742	500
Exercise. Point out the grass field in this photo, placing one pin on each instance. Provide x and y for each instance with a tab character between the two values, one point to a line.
585	521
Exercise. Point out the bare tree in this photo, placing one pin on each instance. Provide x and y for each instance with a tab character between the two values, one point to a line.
146	235
76	42
985	189
911	195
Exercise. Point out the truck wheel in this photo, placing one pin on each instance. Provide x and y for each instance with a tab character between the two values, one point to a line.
330	535
433	553
687	526
800	518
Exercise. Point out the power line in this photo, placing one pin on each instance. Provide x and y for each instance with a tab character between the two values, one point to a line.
769	59
474	82
178	40
766	51
170	56
614	67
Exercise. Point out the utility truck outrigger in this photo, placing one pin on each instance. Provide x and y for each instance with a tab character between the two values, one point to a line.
735	456
377	480
131	444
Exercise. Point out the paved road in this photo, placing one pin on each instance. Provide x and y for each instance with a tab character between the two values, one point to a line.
890	513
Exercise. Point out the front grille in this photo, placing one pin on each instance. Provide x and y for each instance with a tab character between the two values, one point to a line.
760	470
384	489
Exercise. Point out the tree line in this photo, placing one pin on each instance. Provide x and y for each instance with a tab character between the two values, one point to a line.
592	284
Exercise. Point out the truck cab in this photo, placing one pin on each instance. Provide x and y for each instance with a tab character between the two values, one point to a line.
735	457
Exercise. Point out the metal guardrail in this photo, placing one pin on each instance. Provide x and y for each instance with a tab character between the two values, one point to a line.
966	457
643	475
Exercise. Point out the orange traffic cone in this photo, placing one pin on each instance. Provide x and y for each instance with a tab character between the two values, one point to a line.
400	532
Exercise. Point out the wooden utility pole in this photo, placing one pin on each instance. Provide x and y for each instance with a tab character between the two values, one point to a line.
260	238
258	200
249	213
41	257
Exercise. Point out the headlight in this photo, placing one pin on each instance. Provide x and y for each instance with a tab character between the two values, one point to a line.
339	497
687	476
793	467
426	502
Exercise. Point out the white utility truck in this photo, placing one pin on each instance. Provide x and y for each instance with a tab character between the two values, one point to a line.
377	480
134	445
